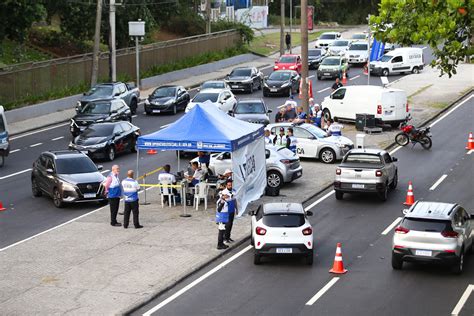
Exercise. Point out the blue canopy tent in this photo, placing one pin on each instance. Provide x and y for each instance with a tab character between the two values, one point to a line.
206	128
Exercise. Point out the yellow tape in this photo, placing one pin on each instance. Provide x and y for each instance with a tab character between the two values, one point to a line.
149	173
162	185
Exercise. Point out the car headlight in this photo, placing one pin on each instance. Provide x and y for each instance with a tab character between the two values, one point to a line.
247	80
147	102
98	145
3	140
106	119
265	85
99	121
68	187
78	104
170	101
285	85
341	145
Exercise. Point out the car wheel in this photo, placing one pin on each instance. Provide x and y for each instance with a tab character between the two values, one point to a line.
257	259
265	94
175	109
2	160
339	195
57	199
383	195
415	70
129	119
319	77
274	179
327	155
148	112
35	188
394	183
134	106
310	258
397	263
326	115
385	72
459	265
111	153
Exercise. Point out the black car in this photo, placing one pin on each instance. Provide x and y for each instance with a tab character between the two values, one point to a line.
282	82
167	99
100	111
252	111
315	56
245	79
68	177
105	140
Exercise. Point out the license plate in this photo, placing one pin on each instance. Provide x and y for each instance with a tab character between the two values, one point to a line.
89	195
156	111
427	253
284	250
235	87
327	74
357	186
273	90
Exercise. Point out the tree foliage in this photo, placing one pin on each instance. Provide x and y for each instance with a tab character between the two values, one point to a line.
16	17
445	25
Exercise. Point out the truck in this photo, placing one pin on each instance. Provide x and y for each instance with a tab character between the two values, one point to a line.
109	91
4	137
366	171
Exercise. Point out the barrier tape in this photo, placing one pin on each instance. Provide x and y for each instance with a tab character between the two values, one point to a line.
162	185
149	173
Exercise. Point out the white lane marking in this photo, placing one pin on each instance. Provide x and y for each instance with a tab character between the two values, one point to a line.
322	291
197	281
15	174
166	125
395	150
134	116
14	151
391	226
451	111
39	131
323	90
469	152
104	171
57	138
37	144
354	78
319	201
462	300
441	179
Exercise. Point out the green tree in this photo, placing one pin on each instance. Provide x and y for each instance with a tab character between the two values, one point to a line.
445	25
16	17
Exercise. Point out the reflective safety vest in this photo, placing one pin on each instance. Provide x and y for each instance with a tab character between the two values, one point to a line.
335	129
130	190
280	140
293	142
115	190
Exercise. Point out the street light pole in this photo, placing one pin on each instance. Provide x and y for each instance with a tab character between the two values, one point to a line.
304	55
368	51
291	25
113	63
282	27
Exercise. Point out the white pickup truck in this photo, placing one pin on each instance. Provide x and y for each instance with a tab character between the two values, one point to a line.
366	170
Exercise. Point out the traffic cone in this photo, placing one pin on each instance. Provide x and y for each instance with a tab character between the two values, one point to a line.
310	89
344	78
338	266
1	207
151	152
366	69
470	142
410	199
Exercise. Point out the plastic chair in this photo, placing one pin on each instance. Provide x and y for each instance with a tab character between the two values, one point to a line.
166	191
201	191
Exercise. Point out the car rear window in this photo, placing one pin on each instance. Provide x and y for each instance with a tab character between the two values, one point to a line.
426	225
283	220
363	158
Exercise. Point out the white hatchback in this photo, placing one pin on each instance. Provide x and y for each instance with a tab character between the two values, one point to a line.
281	229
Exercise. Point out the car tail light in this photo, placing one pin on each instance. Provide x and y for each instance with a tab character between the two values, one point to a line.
408	107
450	251
449	234
378	173
285	161
401	230
260	231
379	109
307	231
338	171
398	247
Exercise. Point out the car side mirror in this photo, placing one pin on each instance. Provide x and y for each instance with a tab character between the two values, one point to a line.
269	111
251	213
309	213
117	134
405	211
198	89
117	94
113	111
394	159
100	167
231	113
330	96
49	171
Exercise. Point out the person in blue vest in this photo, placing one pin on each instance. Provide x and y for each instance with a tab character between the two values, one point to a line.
113	190
291	140
130	191
222	217
228	195
335	128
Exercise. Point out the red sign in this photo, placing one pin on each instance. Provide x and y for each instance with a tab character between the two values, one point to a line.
310	14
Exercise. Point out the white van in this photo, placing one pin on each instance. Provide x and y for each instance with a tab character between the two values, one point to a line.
398	61
4	139
387	104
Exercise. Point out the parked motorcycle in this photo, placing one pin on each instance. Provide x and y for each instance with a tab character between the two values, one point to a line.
410	133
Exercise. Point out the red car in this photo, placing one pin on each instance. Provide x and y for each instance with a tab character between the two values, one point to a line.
288	62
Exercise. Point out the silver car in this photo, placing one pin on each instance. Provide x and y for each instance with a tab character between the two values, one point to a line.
434	232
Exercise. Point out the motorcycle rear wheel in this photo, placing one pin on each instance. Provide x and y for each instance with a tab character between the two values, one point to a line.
402	139
426	142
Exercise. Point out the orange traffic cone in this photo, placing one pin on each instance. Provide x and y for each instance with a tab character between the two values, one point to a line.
410	199
366	69
338	266
1	207
310	89
344	78
470	142
151	152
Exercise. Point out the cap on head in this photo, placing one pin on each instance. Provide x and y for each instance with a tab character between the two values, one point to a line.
282	129
227	171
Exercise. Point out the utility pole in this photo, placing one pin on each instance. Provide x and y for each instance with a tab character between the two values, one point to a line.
291	26
368	51
95	54
304	55
282	27
208	15
113	57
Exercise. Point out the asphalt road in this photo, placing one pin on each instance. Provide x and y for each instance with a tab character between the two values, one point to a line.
371	287
28	216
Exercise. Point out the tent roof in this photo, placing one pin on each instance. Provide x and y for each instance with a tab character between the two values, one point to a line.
204	128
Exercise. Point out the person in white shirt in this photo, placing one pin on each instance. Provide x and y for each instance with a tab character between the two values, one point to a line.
281	139
268	137
197	176
167	178
335	128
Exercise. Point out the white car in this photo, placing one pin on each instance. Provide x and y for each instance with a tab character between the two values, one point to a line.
357	53
281	229
356	37
339	47
314	142
327	39
222	98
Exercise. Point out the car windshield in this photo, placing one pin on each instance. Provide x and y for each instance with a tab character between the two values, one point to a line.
328	36
330	62
283	220
99	130
314	52
2	125
75	165
213	85
363	158
358	47
358	36
240	73
96	108
202	97
386	58
249	107
164	92
426	225
100	91
319	133
288	59
279	76
340	43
